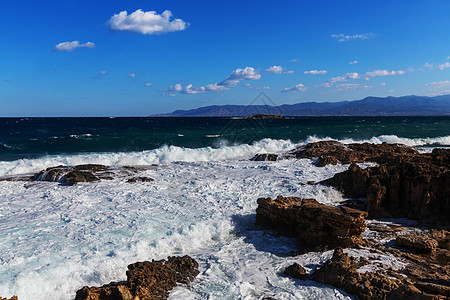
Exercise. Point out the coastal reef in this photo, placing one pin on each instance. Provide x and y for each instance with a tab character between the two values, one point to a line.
403	184
146	280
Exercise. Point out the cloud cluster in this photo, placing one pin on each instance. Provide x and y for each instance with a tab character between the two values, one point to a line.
278	70
252	87
353	62
345	37
315	72
146	22
248	73
296	88
366	76
70	46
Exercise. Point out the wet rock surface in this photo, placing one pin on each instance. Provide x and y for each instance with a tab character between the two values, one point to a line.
296	271
146	281
69	175
315	225
12	298
265	157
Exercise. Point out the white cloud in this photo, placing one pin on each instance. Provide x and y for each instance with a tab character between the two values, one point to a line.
248	73
297	60
448	57
69	46
172	95
350	87
146	22
353	62
383	84
444	66
131	75
148	84
344	37
316	72
439	84
175	88
103	72
384	73
278	70
344	77
216	88
296	88
190	89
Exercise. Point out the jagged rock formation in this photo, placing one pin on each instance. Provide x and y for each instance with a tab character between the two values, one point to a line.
145	281
317	226
412	186
265	157
69	175
12	298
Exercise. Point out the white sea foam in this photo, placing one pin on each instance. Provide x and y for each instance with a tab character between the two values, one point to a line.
55	239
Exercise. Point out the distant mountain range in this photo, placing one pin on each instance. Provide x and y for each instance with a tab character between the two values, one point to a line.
369	106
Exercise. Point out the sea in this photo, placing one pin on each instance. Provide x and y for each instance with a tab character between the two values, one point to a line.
55	239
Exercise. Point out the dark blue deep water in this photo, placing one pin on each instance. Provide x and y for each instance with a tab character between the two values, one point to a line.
36	137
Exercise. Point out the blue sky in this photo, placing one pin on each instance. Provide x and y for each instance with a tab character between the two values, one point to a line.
131	58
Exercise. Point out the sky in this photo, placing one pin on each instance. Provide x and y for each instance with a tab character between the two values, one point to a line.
139	58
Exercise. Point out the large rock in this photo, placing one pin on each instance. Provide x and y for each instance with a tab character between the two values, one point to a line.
265	157
415	187
296	271
331	152
70	175
417	242
146	281
341	271
12	298
317	226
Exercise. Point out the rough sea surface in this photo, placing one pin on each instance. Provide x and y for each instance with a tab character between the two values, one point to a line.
54	239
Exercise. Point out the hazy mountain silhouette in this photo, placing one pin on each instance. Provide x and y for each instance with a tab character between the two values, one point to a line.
369	106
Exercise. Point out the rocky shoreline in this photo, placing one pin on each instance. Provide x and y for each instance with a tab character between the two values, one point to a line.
402	183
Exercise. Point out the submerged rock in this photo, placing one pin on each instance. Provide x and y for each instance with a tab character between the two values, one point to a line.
315	225
140	179
69	175
296	271
146	280
265	157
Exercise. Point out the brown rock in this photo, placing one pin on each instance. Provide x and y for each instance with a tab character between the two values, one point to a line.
341	272
296	271
333	151
12	298
415	187
317	226
417	242
145	281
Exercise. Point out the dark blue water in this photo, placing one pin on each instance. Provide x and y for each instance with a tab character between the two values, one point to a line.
36	137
